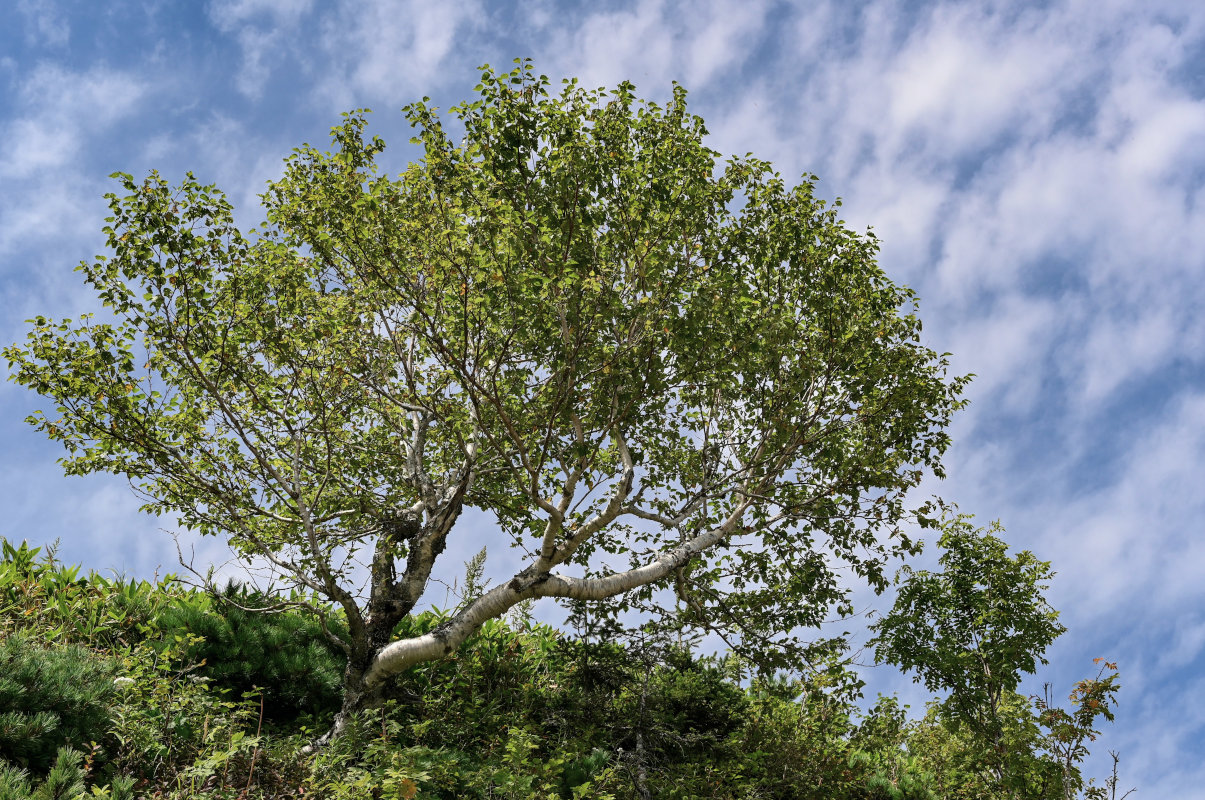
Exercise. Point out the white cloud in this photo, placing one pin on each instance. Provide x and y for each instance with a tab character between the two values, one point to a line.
1001	344
34	146
719	36
228	14
654	42
1000	140
971	75
52	212
1137	534
1187	644
1128	244
97	96
630	44
59	112
390	51
44	22
1166	138
60	107
1158	743
265	30
1125	350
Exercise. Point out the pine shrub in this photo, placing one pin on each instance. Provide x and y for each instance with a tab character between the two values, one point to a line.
50	698
65	781
284	655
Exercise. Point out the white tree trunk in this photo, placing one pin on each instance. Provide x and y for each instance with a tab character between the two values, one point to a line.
441	642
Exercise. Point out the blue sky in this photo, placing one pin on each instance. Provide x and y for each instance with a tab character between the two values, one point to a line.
1036	171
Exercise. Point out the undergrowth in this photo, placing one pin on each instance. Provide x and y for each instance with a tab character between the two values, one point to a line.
130	689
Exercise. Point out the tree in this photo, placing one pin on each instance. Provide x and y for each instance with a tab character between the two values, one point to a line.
972	630
1067	731
649	368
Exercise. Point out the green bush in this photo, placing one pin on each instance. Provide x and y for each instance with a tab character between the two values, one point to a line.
65	781
61	605
284	655
695	706
50	698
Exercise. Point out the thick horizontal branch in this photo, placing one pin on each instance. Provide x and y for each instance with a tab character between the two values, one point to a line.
441	642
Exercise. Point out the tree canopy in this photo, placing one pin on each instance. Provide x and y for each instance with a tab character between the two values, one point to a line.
649	367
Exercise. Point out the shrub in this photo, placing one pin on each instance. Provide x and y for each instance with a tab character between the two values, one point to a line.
50	699
284	655
64	782
39	594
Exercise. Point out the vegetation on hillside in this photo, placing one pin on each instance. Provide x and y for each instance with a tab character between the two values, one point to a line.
130	689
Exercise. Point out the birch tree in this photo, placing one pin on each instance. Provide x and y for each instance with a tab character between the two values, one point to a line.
658	373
